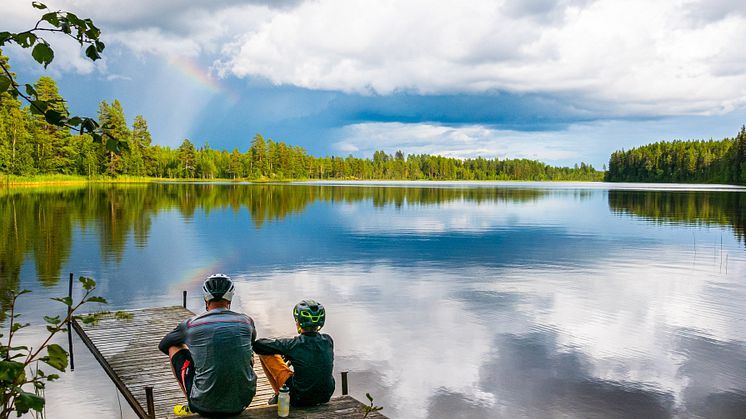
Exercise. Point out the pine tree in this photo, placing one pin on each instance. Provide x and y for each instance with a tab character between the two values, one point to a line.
187	159
89	156
258	157
15	147
141	140
53	149
235	168
740	157
114	125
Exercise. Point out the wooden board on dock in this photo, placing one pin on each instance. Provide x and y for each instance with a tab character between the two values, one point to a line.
127	348
344	407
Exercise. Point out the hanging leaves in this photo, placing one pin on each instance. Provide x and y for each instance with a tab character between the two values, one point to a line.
85	33
43	54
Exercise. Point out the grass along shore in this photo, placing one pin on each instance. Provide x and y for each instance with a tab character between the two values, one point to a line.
60	179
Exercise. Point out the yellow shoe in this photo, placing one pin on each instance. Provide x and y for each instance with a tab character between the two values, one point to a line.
182	410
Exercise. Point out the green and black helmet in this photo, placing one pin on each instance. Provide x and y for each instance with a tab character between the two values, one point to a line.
309	314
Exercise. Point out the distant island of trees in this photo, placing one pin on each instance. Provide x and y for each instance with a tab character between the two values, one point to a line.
722	161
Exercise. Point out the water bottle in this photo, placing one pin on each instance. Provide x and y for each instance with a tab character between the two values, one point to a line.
283	402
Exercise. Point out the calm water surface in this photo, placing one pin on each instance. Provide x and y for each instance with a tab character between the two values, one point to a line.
445	300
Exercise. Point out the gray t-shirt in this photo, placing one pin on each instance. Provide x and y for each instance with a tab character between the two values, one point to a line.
220	342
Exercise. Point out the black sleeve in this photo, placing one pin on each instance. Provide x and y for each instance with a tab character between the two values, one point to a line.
173	338
266	346
253	331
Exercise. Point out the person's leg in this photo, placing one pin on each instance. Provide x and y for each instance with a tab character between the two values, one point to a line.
276	370
182	366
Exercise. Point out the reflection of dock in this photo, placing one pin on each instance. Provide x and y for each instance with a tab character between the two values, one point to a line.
127	349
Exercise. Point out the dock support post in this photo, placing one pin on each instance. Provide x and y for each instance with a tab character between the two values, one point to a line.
69	330
183	301
151	402
344	383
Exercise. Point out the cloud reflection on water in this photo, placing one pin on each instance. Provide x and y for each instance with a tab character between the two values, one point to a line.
462	342
481	311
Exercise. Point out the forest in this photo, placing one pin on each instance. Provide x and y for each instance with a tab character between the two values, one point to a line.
29	146
712	161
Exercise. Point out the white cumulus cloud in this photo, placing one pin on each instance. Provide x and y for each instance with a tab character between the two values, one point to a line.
664	57
637	57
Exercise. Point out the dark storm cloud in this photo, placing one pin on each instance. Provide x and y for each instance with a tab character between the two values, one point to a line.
509	110
504	110
177	17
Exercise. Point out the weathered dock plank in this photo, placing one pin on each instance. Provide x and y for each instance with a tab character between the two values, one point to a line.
345	407
127	349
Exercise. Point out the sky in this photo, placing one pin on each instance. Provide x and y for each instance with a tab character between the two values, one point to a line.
559	81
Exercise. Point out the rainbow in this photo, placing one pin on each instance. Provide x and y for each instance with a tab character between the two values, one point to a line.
192	279
201	77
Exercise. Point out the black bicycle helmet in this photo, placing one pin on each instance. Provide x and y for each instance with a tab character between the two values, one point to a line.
217	287
309	314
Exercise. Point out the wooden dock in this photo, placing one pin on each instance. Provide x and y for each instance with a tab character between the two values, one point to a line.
126	346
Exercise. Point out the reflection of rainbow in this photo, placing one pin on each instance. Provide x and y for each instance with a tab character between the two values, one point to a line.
192	279
201	77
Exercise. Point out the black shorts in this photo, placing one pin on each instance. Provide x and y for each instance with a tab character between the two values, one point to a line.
184	368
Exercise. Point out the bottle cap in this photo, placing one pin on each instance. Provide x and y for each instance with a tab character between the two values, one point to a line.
284	389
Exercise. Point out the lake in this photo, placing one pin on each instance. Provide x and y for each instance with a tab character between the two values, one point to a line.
444	299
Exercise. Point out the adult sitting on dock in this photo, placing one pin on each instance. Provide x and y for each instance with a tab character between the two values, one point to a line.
211	355
310	353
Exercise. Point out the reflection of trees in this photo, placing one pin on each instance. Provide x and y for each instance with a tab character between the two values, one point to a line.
722	208
40	222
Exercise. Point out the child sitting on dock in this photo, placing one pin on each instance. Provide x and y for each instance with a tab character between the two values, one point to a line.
311	355
211	355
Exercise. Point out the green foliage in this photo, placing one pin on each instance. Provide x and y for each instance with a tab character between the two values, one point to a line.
114	127
83	31
710	161
4	83
187	156
368	409
88	283
26	401
56	357
123	315
94	318
43	54
95	299
19	365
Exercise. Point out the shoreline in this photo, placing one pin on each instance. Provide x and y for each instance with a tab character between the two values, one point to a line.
59	180
11	182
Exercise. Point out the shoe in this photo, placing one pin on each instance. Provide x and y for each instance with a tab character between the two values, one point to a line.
182	410
272	400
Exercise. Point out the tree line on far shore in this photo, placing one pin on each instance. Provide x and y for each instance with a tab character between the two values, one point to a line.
30	146
712	161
